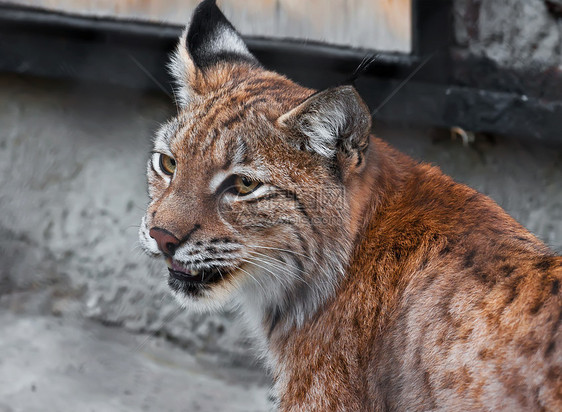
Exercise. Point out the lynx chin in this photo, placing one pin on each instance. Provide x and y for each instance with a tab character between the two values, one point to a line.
372	282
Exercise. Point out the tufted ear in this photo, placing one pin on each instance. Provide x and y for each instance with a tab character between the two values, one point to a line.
334	121
209	39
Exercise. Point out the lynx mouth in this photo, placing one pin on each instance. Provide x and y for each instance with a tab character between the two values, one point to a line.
194	277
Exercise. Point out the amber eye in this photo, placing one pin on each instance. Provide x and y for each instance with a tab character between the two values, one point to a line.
167	164
244	185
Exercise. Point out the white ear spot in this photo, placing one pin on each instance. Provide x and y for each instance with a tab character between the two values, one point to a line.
226	40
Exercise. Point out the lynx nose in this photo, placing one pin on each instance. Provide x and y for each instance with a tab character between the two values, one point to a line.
167	242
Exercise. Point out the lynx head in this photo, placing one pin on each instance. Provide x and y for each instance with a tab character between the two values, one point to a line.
252	184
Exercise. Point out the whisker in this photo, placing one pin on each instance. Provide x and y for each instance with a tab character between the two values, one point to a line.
150	76
249	274
276	276
282	250
287	271
314	261
279	263
176	101
406	80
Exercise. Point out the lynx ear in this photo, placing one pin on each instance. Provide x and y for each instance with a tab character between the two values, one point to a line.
332	121
209	39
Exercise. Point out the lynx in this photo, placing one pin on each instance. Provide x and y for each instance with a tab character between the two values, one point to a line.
371	282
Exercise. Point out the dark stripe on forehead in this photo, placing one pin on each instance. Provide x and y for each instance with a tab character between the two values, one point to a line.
211	119
241	100
186	126
236	153
229	124
272	82
227	163
265	88
241	109
210	140
235	99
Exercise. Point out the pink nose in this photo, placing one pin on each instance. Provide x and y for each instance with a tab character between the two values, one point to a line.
167	242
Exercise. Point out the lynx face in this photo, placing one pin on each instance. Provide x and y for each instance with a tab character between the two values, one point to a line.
249	184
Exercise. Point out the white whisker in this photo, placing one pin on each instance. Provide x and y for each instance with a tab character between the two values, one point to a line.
281	265
249	274
282	250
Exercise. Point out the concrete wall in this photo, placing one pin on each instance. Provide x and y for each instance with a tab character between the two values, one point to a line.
513	33
72	191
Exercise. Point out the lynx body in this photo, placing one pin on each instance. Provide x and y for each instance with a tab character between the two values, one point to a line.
371	282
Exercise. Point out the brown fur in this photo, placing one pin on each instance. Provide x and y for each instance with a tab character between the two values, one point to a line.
444	303
448	304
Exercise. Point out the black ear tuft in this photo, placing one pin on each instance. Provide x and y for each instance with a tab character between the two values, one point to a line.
212	38
361	69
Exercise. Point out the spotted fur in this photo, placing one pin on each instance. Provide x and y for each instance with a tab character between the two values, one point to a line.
371	282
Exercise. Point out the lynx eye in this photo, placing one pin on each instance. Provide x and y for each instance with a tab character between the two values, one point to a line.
245	186
167	164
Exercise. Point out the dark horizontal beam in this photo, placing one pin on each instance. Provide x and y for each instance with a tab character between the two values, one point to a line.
54	44
451	90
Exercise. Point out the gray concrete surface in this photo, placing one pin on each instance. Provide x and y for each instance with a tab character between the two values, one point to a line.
72	191
70	365
514	33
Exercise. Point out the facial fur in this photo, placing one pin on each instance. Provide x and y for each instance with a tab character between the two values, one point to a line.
273	251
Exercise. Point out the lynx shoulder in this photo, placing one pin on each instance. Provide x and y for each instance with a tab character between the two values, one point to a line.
371	281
